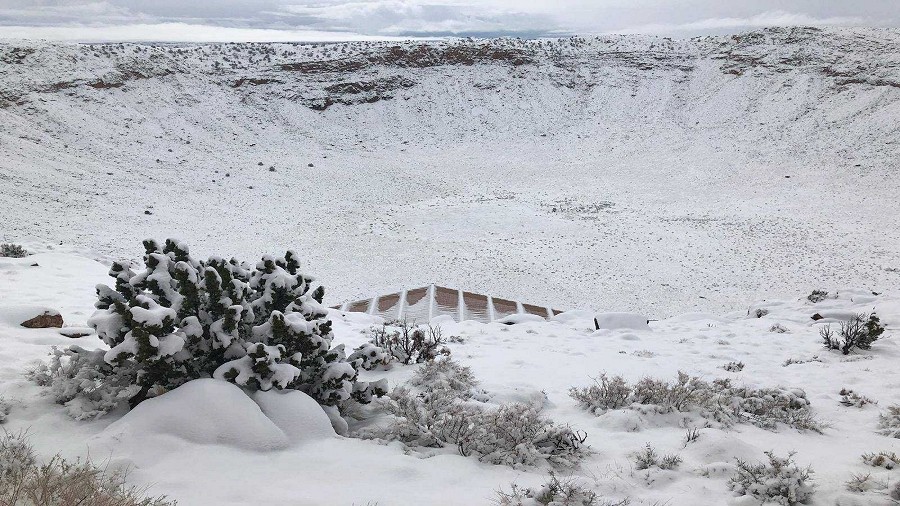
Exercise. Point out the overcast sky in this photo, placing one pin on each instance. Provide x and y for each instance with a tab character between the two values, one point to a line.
283	20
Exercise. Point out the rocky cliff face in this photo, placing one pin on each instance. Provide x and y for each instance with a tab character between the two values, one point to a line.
363	72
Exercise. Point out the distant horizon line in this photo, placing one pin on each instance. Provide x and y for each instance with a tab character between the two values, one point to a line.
335	37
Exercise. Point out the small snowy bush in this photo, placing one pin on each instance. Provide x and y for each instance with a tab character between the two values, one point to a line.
445	375
734	366
817	296
259	325
889	423
859	332
778	328
691	436
606	393
12	251
369	357
16	455
5	408
887	460
863	483
84	382
555	492
58	482
850	398
437	411
647	458
779	481
793	361
720	400
409	343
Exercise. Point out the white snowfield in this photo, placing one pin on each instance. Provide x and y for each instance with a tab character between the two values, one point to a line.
621	173
209	443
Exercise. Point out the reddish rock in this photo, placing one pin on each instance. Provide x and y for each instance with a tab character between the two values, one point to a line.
44	321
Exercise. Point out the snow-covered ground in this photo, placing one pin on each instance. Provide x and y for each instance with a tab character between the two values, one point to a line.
617	173
192	453
611	174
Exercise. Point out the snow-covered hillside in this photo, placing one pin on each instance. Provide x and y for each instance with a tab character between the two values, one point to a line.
619	173
207	443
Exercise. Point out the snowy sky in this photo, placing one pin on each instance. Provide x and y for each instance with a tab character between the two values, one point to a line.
279	20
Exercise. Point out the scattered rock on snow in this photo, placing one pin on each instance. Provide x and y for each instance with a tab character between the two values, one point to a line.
76	332
48	319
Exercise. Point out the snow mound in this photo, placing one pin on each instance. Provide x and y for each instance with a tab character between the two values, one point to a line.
203	411
14	316
298	415
515	319
612	321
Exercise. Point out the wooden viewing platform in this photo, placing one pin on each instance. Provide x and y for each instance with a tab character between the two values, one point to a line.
424	303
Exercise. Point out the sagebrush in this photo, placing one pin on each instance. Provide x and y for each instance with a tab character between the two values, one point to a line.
850	398
436	410
59	482
719	400
779	480
555	492
647	458
887	460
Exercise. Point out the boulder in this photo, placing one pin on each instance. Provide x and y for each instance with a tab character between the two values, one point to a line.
76	332
47	319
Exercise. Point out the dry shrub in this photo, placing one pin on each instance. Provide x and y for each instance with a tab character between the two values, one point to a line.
59	482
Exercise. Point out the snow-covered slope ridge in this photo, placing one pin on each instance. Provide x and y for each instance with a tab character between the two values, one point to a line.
613	172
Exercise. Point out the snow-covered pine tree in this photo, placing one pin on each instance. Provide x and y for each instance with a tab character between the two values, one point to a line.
259	326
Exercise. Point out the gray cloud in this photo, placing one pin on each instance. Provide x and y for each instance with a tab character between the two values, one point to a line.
348	19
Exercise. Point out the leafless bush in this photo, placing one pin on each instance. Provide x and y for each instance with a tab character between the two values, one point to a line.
58	482
863	483
691	436
858	332
850	398
409	343
887	460
647	458
555	492
779	481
